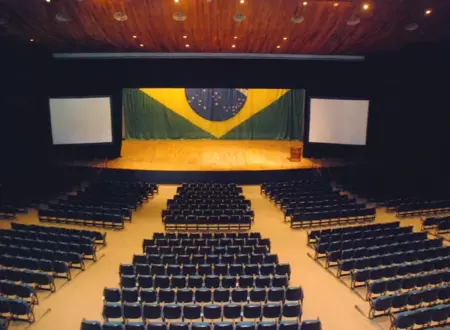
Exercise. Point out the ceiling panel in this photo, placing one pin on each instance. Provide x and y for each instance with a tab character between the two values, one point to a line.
90	25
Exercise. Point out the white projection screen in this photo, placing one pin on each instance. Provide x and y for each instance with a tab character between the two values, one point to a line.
338	121
81	120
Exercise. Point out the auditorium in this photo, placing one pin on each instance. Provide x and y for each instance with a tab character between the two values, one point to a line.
224	165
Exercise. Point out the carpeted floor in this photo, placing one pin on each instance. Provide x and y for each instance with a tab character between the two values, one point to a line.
325	296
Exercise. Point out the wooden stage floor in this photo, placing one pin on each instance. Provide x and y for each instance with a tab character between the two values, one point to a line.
209	155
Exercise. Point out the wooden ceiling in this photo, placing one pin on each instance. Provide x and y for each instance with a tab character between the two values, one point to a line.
90	26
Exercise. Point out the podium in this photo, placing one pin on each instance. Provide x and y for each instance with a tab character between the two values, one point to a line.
296	154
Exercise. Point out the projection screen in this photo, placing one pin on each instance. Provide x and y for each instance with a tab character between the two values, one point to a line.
81	120
338	121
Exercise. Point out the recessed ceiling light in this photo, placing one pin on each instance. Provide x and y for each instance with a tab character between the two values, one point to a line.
353	21
336	4
428	12
278	46
120	16
305	3
233	46
48	0
187	45
284	38
242	1
31	40
297	19
411	27
185	37
176	1
61	17
235	37
141	45
365	6
239	17
179	17
134	37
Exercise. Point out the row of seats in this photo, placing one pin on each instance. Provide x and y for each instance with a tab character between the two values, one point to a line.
192	312
182	199
81	218
74	258
381	286
40	280
180	224
307	197
195	236
205	269
42	236
409	300
84	207
263	325
315	235
98	237
204	258
18	291
206	215
198	281
223	241
361	268
327	218
355	249
288	205
432	318
18	246
204	295
208	250
16	309
423	207
56	268
372	235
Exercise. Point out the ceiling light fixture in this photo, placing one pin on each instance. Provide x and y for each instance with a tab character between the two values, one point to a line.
176	1
305	3
141	45
284	38
428	12
297	19
278	46
336	4
48	0
233	46
134	37
365	6
31	40
235	37
187	45
184	37
242	1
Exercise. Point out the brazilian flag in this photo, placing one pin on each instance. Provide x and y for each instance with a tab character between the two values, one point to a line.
213	113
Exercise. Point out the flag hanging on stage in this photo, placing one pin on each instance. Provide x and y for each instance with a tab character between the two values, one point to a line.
213	113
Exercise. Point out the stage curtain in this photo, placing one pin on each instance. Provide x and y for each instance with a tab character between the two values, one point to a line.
214	113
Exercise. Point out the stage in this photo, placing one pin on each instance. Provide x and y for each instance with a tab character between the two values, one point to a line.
209	155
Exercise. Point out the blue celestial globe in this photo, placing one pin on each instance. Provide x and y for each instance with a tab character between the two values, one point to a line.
216	104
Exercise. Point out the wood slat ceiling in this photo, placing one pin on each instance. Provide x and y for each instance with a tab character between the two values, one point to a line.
209	25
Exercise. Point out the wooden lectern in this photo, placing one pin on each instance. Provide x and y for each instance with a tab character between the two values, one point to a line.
296	154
